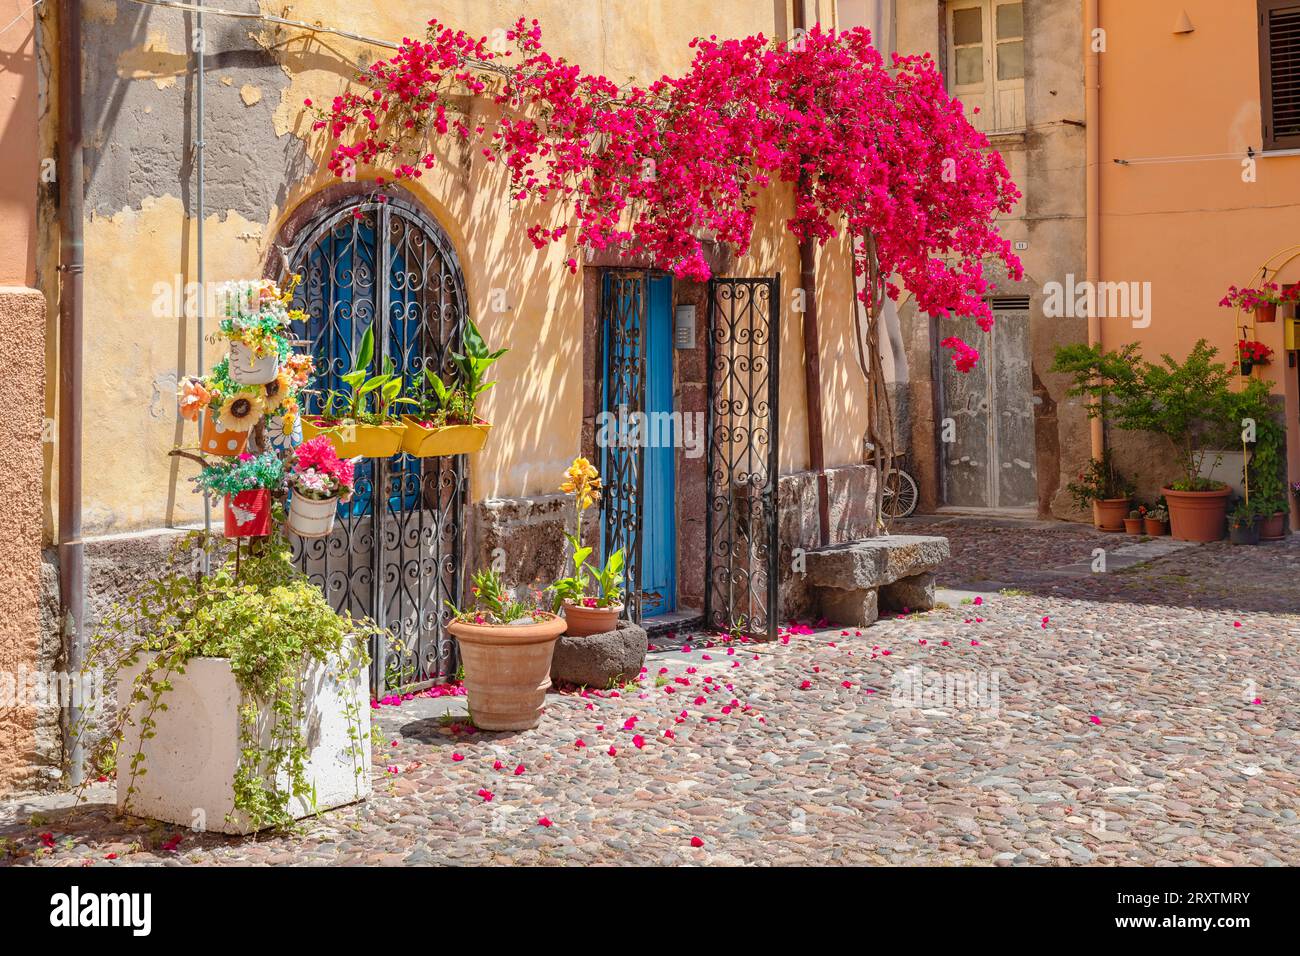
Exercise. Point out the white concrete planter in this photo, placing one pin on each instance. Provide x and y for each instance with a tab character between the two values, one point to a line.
193	757
246	369
310	518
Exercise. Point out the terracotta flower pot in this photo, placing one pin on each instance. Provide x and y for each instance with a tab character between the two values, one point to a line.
247	369
1266	312
507	670
1108	514
1155	528
1274	527
216	441
312	517
1197	515
248	514
424	441
585	621
1132	525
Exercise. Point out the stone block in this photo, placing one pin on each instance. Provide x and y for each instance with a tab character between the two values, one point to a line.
875	561
854	607
599	660
908	594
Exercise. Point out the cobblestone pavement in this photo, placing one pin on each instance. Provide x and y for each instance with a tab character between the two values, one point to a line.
1141	716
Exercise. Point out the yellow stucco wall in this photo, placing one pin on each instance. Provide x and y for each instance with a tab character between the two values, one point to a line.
133	357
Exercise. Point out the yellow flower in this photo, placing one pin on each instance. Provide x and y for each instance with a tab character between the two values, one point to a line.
583	480
277	390
241	411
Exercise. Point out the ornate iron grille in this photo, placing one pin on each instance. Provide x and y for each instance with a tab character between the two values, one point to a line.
742	463
396	550
621	381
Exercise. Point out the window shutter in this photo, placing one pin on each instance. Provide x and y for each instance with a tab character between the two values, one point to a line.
1279	68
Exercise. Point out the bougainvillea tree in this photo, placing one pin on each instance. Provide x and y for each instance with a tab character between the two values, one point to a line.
880	153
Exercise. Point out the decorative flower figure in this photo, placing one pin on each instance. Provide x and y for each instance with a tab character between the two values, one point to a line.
194	397
241	411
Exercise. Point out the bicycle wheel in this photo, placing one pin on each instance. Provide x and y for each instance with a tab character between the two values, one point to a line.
900	495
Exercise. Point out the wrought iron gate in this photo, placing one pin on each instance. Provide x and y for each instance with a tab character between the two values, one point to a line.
621	382
395	554
741	543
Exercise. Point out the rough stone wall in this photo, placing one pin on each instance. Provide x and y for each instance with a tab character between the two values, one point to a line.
527	534
22	386
1046	161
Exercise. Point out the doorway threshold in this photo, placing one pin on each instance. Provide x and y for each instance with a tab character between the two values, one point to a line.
685	619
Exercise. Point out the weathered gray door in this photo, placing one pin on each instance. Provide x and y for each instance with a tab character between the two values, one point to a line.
986	430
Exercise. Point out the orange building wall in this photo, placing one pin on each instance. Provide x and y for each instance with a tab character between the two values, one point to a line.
1183	110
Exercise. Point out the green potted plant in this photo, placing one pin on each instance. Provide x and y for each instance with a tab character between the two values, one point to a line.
1101	488
506	644
1188	403
1133	522
591	597
360	420
1243	523
1156	521
447	423
241	694
1264	438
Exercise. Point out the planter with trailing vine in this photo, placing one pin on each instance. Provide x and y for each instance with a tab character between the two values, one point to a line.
195	758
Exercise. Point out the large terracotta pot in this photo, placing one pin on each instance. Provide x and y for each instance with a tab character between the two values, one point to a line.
1274	527
585	621
507	670
1197	515
1266	312
1108	514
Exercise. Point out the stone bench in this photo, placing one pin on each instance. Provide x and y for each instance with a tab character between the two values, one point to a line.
854	582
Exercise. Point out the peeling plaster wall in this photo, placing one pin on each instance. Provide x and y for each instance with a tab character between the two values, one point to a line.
262	161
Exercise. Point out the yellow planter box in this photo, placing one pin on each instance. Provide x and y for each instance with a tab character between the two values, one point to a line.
424	442
351	441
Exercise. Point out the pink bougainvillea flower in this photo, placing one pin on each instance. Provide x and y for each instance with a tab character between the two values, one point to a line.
171	844
670	735
110	856
1094	718
973	643
47	840
520	770
696	842
805	685
544	822
638	741
1236	624
391	768
613	751
457	757
579	743
486	794
978	600
629	724
1257	701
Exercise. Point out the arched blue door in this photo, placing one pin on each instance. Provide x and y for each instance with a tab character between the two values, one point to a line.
396	552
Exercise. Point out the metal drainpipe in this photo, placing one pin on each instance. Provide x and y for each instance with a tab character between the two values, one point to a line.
812	358
198	237
1092	117
72	572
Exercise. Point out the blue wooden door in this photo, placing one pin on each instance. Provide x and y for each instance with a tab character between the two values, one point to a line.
658	524
637	459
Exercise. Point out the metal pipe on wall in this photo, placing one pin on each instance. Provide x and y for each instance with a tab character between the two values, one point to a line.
71	173
1092	114
200	49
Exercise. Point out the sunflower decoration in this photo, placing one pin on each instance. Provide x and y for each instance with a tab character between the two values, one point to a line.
276	392
241	411
582	480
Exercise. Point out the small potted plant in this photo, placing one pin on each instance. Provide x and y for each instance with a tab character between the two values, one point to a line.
588	613
1243	523
319	480
257	319
1101	487
1156	521
1251	353
446	423
1133	522
246	483
506	647
1262	301
359	421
